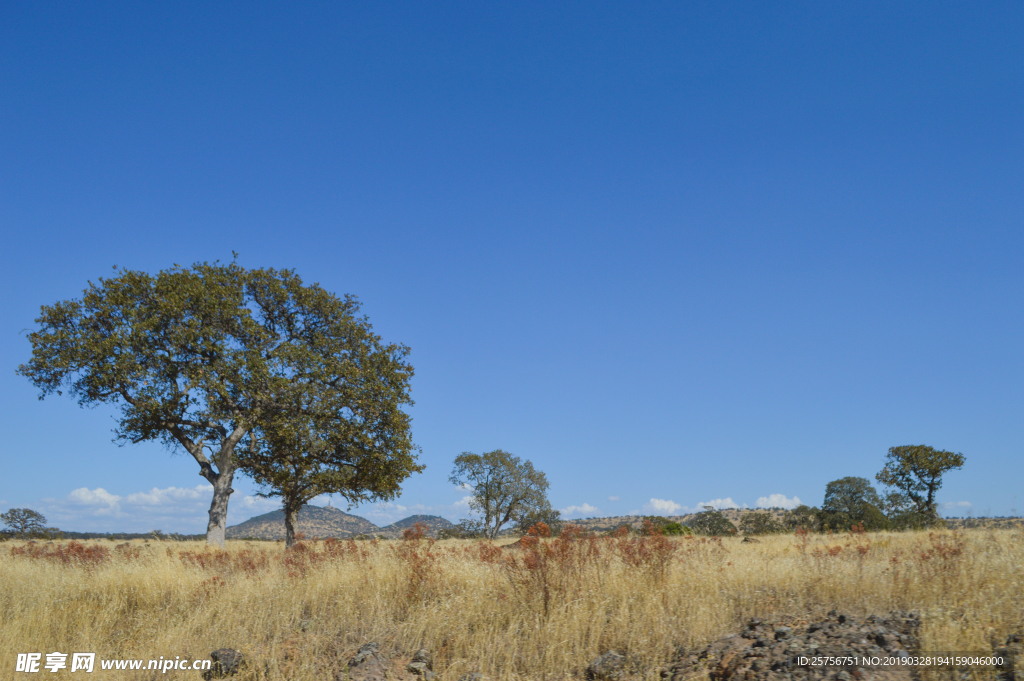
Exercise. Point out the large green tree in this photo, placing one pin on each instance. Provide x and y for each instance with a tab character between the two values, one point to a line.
505	489
198	357
24	522
915	472
850	501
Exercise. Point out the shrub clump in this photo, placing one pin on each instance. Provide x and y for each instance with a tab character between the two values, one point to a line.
713	523
761	522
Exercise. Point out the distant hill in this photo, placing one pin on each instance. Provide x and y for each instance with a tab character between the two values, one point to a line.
433	523
313	521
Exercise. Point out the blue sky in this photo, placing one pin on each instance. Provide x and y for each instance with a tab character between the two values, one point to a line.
672	253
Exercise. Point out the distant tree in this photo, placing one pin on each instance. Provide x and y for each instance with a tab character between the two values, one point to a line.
24	522
465	529
196	357
661	525
802	517
850	501
543	514
673	528
505	488
915	473
902	514
713	523
760	522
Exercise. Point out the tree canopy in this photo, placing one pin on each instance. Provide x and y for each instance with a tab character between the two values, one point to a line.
505	488
713	523
760	522
354	442
915	474
850	501
24	522
200	357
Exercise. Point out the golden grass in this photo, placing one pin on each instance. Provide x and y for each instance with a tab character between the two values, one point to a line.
525	614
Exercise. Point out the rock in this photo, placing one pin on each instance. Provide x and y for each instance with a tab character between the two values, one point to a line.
767	652
1012	653
422	664
366	665
607	667
226	662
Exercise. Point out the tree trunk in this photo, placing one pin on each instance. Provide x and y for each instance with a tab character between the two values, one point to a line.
221	480
215	529
289	527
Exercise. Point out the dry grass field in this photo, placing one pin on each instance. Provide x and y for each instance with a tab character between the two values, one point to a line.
534	612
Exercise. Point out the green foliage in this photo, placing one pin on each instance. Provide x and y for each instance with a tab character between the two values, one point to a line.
662	525
915	474
903	514
760	522
336	426
203	357
24	522
674	529
712	523
542	514
505	488
851	501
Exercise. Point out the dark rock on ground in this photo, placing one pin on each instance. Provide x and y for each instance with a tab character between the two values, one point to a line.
366	665
607	667
1012	653
769	652
422	664
226	662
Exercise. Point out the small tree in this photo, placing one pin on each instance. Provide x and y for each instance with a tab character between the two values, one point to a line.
915	473
505	489
713	523
850	501
24	522
803	517
545	514
760	522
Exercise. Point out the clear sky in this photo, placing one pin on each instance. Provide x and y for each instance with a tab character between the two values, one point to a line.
673	253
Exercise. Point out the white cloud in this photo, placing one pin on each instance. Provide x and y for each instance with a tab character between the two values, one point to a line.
719	504
159	497
99	498
957	506
585	508
613	498
172	509
463	502
662	506
777	501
